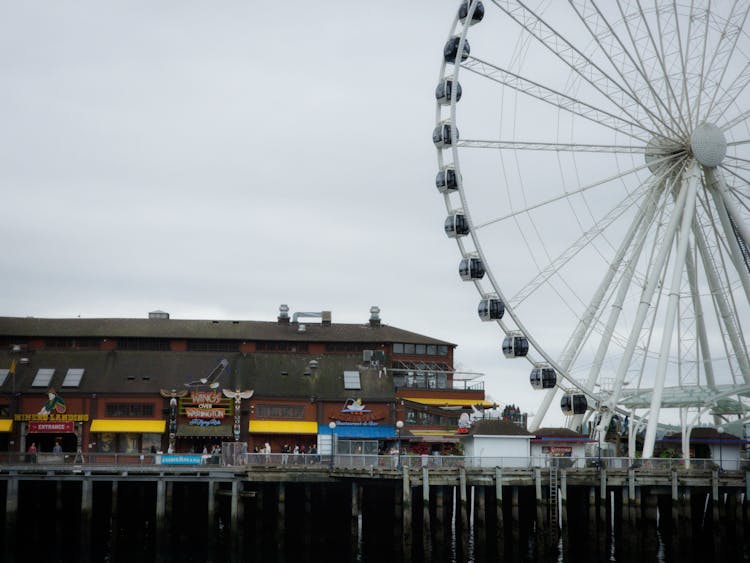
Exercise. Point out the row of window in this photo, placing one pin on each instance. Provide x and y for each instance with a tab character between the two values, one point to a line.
296	412
420	349
213	345
128	410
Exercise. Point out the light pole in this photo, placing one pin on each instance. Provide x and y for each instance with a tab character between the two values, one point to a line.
720	430
332	426
399	426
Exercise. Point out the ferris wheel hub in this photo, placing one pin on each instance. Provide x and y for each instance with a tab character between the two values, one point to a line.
709	145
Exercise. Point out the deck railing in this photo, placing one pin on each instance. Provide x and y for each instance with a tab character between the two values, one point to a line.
390	461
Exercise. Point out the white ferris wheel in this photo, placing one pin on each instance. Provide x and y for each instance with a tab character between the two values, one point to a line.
594	158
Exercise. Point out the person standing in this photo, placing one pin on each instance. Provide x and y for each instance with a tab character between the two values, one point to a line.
57	449
32	452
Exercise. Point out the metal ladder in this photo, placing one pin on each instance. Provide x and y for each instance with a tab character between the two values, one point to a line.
553	515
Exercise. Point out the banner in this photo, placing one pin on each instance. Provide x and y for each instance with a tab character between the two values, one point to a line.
54	427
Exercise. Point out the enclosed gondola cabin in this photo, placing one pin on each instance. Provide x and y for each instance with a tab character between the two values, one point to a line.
450	51
573	403
491	309
444	91
476	16
515	346
446	180
471	269
543	377
456	225
441	135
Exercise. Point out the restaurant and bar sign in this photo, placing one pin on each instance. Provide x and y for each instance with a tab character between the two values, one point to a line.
52	427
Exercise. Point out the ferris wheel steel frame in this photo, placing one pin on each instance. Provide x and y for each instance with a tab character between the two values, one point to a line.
668	79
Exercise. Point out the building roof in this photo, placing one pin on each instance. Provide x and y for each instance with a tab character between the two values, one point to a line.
704	435
558	433
496	427
269	374
34	327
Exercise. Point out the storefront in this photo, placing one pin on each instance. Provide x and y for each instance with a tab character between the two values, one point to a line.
6	427
205	419
278	433
126	436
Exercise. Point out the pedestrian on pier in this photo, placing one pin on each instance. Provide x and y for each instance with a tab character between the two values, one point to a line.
32	452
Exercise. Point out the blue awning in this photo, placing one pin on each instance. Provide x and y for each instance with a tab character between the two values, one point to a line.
381	431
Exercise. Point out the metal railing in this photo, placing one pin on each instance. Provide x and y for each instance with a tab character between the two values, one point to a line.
389	461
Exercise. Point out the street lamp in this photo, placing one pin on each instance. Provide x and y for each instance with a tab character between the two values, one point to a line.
720	430
399	426
332	426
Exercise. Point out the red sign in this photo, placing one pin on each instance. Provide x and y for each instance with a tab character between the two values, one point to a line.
53	427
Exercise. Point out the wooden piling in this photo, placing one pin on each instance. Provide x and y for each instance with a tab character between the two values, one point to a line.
87	503
406	526
500	528
426	523
11	518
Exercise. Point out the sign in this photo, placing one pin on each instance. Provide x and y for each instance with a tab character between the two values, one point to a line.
182	459
557	450
193	412
39	427
50	417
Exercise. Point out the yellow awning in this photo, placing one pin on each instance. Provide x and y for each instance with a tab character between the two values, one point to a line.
6	424
443	402
138	426
432	433
283	427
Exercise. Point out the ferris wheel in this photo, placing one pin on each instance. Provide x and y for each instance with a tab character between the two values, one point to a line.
594	159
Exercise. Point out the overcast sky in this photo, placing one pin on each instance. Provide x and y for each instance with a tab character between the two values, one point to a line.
215	160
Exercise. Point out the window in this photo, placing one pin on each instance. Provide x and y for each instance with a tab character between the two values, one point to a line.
280	411
3	375
420	349
442	350
351	380
73	377
43	377
146	344
409	348
213	345
128	410
281	347
398	348
431	350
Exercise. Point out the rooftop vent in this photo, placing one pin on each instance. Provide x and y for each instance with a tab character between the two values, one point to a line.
374	316
283	317
301	328
158	315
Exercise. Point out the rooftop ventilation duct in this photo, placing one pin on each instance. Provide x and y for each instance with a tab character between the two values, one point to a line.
283	314
158	315
374	316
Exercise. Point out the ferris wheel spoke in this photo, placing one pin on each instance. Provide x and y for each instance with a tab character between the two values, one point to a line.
555	147
555	98
729	96
574	59
682	49
723	52
569	253
736	121
565	195
637	64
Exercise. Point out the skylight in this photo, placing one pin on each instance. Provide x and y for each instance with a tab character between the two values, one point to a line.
351	380
73	377
43	377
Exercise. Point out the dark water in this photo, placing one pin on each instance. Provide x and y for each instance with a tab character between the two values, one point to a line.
318	526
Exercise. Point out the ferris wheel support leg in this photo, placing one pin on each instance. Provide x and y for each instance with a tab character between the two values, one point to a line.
723	309
700	320
726	211
690	182
542	409
656	268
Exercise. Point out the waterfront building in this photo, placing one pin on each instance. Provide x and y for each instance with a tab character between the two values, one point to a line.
150	384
